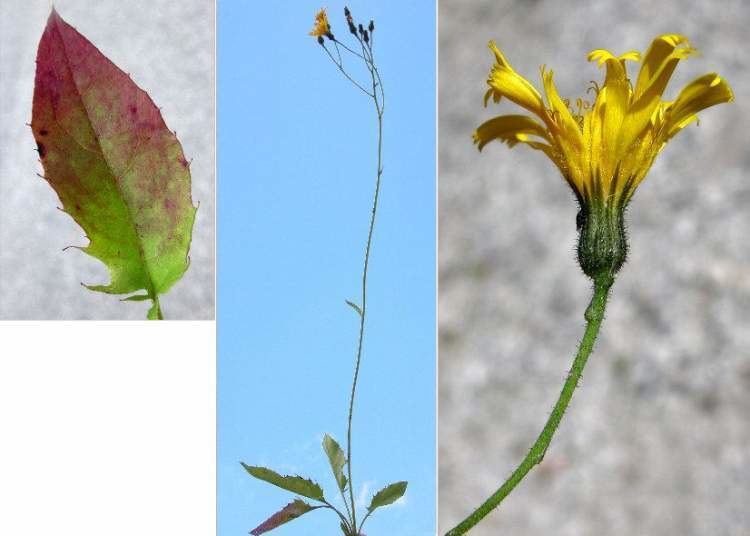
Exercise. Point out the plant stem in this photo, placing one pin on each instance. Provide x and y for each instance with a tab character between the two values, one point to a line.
594	315
363	306
362	524
156	307
344	520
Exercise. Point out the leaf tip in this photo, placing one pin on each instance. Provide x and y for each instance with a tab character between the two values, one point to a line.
54	16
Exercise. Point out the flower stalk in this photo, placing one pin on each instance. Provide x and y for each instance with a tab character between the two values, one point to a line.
363	308
594	316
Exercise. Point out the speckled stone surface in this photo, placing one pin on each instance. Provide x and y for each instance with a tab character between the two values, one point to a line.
167	46
656	439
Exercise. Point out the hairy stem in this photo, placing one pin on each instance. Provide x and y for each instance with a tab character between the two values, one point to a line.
594	316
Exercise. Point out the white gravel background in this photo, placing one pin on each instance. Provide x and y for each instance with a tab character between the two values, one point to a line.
168	48
656	440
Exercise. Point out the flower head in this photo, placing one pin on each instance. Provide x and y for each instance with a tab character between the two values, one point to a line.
603	150
322	27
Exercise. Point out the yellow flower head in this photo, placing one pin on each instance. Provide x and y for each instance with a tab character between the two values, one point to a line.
322	27
606	149
603	150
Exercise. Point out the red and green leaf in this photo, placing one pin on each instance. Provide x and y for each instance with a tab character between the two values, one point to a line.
119	172
291	511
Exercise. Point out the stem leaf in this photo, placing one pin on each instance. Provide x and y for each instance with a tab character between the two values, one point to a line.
355	307
388	495
295	484
291	511
337	460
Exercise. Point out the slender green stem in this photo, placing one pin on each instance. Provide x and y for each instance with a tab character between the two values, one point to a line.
594	315
340	67
362	524
156	306
343	45
363	305
379	100
344	520
346	505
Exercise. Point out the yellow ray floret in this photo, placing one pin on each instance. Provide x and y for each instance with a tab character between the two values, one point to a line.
605	149
321	27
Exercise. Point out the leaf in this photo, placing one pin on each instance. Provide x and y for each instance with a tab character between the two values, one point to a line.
137	297
354	306
388	495
291	511
295	484
337	459
119	172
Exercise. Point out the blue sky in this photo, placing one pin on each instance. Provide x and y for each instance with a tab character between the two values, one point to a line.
296	157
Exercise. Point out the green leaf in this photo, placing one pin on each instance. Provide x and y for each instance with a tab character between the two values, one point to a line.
337	459
119	172
137	297
291	511
354	306
387	495
295	484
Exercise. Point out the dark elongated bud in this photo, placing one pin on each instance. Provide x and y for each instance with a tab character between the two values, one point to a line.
347	13
366	37
361	29
372	26
352	28
320	39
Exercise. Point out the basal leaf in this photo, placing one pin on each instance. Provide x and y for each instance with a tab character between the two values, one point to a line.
387	495
119	172
295	484
337	459
291	511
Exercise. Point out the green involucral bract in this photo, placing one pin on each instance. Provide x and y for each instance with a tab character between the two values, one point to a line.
119	172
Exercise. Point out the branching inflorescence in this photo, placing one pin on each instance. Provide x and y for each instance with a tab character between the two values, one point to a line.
340	461
603	152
